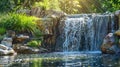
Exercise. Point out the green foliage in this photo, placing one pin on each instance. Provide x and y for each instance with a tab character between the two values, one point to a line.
18	22
89	6
44	4
48	4
2	31
37	33
13	5
34	43
69	6
110	5
5	5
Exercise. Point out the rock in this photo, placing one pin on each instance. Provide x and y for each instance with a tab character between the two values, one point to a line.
5	50
117	13
115	48
27	50
10	33
20	39
119	43
3	47
24	50
43	50
117	17
55	14
108	44
117	33
7	41
36	11
6	47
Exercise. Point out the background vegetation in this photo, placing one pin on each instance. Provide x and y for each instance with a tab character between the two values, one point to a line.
68	6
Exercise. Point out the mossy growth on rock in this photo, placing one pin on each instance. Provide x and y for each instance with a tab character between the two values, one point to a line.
34	43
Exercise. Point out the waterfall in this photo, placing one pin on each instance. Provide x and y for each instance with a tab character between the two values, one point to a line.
85	32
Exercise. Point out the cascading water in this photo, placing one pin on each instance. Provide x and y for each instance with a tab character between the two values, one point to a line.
86	32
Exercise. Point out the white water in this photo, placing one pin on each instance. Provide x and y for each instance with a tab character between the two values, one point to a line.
86	32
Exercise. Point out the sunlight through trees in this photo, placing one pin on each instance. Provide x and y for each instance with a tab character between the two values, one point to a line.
68	6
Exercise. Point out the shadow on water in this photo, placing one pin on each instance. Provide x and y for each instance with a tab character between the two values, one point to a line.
60	59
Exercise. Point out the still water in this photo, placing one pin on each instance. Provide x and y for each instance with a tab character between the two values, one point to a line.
60	59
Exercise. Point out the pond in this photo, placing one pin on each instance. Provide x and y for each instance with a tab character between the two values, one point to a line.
61	59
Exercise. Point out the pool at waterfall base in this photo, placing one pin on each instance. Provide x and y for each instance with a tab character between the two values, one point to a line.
79	41
62	59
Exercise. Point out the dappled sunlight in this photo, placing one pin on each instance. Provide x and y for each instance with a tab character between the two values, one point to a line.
69	6
59	33
89	6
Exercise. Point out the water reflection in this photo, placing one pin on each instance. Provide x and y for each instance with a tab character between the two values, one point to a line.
6	60
61	60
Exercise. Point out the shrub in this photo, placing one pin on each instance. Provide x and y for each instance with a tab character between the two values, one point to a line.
34	43
2	31
18	22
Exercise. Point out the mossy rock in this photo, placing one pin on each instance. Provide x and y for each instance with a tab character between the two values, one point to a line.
117	33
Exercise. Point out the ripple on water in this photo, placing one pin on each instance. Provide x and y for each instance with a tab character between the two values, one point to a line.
61	60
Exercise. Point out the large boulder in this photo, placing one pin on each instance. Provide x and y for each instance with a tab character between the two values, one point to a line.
117	33
108	45
5	50
6	47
